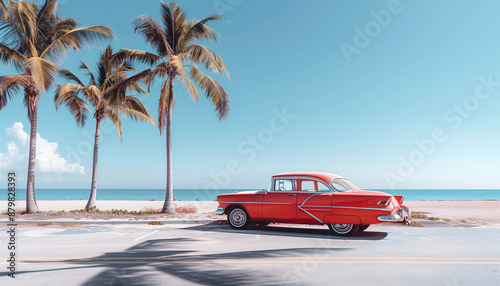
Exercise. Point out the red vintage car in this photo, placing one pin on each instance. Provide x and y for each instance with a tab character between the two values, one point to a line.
312	198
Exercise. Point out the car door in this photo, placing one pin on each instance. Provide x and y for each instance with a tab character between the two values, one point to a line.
313	201
279	204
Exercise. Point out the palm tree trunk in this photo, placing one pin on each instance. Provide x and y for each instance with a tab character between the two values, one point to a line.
168	205
31	205
93	188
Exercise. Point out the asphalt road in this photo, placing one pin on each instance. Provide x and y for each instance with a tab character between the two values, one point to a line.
276	255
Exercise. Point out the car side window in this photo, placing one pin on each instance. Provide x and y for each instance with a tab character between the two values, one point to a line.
307	186
285	185
322	187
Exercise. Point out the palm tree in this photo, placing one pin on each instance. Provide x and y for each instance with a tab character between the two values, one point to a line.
34	39
106	92
175	44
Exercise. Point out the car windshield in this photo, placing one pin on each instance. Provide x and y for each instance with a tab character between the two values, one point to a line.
343	185
268	188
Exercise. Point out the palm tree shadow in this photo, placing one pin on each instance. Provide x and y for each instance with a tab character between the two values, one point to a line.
140	264
175	258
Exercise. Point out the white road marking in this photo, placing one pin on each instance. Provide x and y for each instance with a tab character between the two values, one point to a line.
153	232
425	238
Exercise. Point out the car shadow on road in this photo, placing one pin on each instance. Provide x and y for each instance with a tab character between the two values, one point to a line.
291	231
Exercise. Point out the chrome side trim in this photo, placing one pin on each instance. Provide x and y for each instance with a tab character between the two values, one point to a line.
318	206
311	215
362	208
300	207
309	198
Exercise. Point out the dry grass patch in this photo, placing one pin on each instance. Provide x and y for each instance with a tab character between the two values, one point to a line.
156	223
44	223
151	210
186	209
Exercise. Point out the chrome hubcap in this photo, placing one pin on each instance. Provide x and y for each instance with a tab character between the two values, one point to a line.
238	218
342	228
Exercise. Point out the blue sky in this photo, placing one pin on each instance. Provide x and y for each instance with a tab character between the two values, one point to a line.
390	94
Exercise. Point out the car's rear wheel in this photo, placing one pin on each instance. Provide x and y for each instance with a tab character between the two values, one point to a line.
238	218
363	227
343	229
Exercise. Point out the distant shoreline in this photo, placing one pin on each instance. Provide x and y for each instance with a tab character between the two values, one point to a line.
483	212
211	194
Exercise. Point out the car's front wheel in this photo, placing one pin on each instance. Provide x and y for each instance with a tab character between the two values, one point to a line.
343	229
238	218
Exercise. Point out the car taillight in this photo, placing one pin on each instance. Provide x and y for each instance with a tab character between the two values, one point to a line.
385	202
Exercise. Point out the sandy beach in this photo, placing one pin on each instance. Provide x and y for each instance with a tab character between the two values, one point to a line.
451	212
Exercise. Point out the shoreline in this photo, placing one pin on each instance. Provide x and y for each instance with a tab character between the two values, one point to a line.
464	212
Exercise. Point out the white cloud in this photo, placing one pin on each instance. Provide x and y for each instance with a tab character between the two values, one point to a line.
47	158
9	158
17	131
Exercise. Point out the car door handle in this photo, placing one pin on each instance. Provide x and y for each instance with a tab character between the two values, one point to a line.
292	195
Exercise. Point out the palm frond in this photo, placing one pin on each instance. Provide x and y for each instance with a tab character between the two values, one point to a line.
114	116
11	84
75	104
134	114
4	8
88	71
174	20
133	103
213	90
116	93
66	74
186	83
47	11
134	55
9	55
94	95
196	53
199	30
27	20
42	71
164	104
153	34
76	37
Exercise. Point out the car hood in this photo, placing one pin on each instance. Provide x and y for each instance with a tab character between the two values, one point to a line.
246	192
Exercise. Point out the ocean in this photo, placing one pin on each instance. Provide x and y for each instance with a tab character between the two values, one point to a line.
211	195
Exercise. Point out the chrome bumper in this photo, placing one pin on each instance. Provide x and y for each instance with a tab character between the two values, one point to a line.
402	216
219	211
